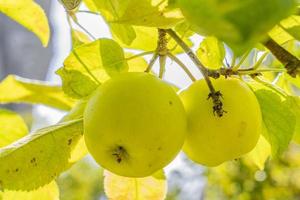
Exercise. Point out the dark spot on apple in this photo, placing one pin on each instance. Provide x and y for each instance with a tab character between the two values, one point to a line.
159	148
119	153
170	103
33	160
17	170
69	142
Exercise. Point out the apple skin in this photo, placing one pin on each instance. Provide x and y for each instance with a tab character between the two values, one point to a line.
134	124
212	140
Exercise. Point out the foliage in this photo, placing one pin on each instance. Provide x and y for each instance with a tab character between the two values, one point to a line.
256	41
242	180
30	15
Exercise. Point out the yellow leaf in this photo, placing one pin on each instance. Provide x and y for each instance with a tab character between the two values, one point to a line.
138	64
124	188
280	35
260	153
79	38
151	13
30	15
34	92
12	127
47	192
211	52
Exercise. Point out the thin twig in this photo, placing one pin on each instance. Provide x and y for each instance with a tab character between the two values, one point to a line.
260	61
185	68
88	12
139	55
241	61
152	62
80	26
233	60
227	72
215	95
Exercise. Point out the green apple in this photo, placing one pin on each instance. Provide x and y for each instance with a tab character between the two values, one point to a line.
134	124
211	140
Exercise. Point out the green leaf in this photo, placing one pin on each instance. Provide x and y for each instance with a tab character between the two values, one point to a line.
112	54
97	59
152	13
293	102
124	188
241	24
211	52
15	89
145	39
125	33
75	83
12	127
40	157
278	119
47	192
30	15
184	29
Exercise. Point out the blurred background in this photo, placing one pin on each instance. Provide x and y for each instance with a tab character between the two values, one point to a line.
22	54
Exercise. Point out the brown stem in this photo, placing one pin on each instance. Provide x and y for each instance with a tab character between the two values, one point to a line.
227	72
291	62
215	95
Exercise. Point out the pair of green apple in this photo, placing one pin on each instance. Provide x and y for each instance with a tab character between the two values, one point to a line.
135	123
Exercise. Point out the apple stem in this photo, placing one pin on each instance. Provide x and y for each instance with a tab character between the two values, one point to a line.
218	105
182	65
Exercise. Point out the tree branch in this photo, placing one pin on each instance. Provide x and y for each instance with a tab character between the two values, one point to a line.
249	71
291	62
